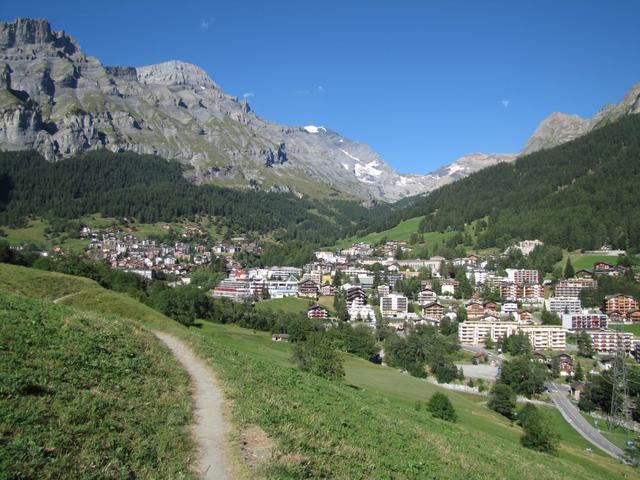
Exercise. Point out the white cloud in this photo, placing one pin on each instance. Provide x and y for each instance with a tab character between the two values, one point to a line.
248	95
505	103
204	24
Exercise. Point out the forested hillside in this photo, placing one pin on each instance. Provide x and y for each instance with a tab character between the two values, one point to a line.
578	195
151	189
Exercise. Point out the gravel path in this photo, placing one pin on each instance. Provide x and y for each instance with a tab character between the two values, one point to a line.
210	428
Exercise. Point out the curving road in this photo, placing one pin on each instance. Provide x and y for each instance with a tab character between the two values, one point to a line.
572	415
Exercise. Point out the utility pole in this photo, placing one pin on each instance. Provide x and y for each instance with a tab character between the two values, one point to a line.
620	401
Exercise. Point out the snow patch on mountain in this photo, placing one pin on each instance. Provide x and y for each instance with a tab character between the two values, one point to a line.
314	129
349	155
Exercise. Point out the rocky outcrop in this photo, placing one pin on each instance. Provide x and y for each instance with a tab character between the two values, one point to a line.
559	128
556	129
174	72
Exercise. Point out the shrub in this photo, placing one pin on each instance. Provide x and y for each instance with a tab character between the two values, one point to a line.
538	432
317	355
503	400
440	407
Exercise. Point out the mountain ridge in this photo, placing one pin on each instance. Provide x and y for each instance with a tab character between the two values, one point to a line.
59	101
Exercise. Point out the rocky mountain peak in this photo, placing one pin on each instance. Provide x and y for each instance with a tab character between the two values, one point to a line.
25	31
556	129
29	31
174	72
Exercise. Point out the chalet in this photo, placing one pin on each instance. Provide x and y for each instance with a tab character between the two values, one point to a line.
490	306
525	316
616	316
603	267
620	302
308	288
328	290
565	364
490	316
474	309
539	357
433	310
317	311
633	315
427	296
584	273
426	284
356	296
280	337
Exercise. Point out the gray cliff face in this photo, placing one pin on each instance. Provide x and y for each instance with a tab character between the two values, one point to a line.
559	128
61	102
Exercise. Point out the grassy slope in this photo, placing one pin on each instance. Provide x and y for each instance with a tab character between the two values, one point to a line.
87	396
585	261
363	429
287	305
402	231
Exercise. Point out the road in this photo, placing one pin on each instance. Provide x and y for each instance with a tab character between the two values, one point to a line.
478	349
211	428
572	415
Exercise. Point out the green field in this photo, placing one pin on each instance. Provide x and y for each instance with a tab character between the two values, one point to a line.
366	427
83	395
402	231
632	328
286	305
581	261
34	233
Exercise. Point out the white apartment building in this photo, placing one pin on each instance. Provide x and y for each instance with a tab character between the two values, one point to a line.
522	276
393	304
542	337
608	341
475	333
546	337
427	296
562	305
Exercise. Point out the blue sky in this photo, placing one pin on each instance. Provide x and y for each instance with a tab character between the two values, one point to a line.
422	82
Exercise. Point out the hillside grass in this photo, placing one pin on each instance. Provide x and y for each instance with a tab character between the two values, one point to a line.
83	395
584	261
286	305
366	427
632	328
402	231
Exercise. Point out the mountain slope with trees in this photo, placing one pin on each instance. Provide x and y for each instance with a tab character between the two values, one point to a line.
578	195
151	189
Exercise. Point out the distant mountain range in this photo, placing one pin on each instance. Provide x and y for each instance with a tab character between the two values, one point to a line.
61	102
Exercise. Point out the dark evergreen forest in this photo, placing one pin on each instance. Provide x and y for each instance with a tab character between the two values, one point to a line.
578	195
150	189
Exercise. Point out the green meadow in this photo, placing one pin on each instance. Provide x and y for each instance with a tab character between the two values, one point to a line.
372	425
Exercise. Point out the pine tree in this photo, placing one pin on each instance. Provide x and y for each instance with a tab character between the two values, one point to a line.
569	272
